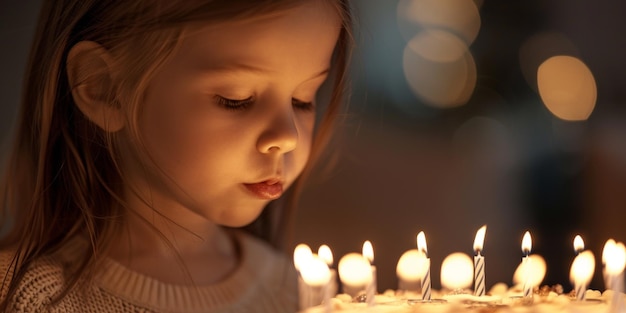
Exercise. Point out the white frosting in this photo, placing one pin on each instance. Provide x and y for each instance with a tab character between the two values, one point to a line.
500	300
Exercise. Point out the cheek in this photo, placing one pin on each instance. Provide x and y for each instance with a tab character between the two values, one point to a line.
305	141
170	135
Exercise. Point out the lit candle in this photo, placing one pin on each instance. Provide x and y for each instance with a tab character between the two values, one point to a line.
316	274
528	288
531	272
355	273
327	255
301	256
370	290
581	272
408	270
579	244
608	245
456	272
301	253
578	271
615	262
313	278
425	265
479	262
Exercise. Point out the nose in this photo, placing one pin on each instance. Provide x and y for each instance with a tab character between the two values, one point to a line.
281	133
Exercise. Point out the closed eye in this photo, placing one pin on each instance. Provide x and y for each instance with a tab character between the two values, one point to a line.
302	105
234	104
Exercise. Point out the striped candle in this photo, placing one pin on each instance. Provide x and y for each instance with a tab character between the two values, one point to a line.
425	266
479	262
425	283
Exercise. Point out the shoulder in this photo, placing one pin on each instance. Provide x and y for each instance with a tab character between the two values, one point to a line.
40	284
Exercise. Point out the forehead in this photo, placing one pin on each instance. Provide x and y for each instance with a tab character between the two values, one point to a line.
298	38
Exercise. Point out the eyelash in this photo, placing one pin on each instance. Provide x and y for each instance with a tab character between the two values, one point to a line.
237	105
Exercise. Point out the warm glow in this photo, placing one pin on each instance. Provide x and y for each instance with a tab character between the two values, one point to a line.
540	47
459	17
368	251
438	46
439	69
567	87
421	243
301	254
315	272
324	252
536	271
409	265
608	245
527	243
480	239
615	258
355	270
579	244
457	271
582	268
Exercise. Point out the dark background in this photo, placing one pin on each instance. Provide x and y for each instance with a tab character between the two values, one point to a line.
502	158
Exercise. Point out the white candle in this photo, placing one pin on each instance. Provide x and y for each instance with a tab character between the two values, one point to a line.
408	271
355	273
528	288
425	264
608	245
581	272
456	272
301	255
327	255
615	262
371	289
530	272
579	286
479	262
316	275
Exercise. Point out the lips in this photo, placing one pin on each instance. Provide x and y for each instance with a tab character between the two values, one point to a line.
266	190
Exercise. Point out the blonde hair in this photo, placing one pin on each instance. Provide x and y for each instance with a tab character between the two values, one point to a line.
62	178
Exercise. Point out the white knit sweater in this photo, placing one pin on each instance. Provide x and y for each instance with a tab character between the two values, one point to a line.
264	281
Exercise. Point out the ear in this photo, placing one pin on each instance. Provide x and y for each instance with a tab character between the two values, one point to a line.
90	78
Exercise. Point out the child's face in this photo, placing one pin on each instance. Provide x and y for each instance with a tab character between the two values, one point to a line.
227	118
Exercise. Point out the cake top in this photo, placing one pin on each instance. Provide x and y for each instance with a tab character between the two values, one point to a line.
499	299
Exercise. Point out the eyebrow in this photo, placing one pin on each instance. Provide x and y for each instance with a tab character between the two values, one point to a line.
252	69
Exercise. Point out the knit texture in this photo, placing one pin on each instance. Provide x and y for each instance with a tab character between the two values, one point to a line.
264	281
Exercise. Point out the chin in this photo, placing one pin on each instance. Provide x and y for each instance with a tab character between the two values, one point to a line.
239	219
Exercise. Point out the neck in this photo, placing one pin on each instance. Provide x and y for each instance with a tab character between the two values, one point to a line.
173	244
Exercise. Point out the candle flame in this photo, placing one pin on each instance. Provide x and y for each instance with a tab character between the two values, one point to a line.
315	272
532	271
301	254
526	243
408	267
368	251
354	270
579	244
615	258
421	242
582	268
607	248
457	271
324	252
479	240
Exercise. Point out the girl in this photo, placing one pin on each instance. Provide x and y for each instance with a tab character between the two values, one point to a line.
150	132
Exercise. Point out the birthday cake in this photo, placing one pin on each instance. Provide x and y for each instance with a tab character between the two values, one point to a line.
500	299
356	275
